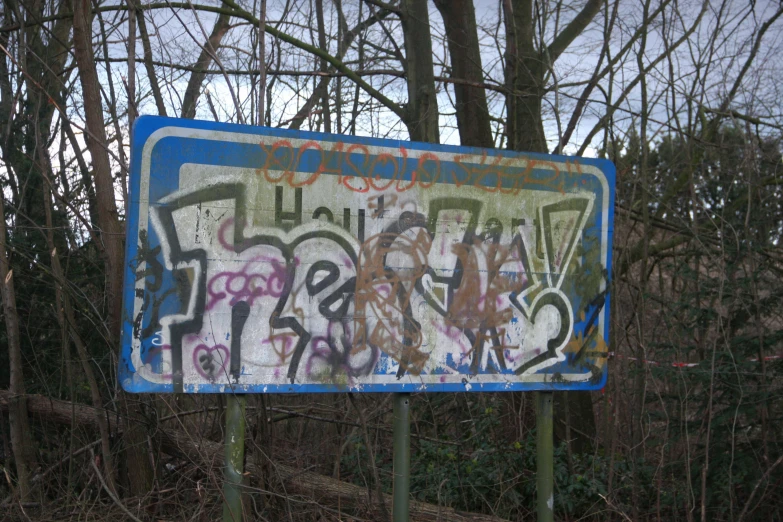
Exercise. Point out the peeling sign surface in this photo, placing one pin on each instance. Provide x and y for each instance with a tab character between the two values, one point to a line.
266	261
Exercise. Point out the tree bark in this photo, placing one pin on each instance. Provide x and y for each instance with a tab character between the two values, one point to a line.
325	114
525	71
17	409
524	80
67	320
108	217
459	20
131	87
421	112
262	63
112	233
527	66
148	65
193	90
42	61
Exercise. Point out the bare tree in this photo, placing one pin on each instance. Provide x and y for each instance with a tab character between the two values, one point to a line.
473	122
681	95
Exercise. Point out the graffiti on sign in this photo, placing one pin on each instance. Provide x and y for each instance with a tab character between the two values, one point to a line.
262	260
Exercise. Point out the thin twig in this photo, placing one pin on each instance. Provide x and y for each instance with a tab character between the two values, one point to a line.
106	488
370	458
753	493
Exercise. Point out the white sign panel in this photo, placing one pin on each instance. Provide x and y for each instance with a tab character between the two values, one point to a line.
263	260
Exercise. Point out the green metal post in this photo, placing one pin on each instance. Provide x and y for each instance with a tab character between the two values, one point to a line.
402	457
544	457
234	458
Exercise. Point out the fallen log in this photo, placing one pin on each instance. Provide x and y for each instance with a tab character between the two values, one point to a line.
320	488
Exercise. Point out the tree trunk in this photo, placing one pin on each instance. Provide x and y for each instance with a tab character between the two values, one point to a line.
17	410
148	65
131	87
524	80
66	318
262	63
527	66
459	19
112	234
325	114
108	217
193	90
421	112
525	70
42	61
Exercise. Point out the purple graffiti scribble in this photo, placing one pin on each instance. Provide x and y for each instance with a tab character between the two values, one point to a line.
247	286
516	354
276	280
241	285
383	290
222	231
206	363
451	332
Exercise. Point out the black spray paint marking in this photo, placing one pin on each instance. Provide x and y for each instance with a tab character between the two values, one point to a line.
336	305
239	314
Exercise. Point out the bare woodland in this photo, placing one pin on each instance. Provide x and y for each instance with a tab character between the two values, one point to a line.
684	97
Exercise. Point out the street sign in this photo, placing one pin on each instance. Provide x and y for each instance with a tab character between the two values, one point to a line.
265	261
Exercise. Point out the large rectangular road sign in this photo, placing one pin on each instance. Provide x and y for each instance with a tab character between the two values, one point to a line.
265	261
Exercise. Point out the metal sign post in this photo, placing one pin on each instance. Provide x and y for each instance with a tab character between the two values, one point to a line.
234	457
275	261
402	458
545	455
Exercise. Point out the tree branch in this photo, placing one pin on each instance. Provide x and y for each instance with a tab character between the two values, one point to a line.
573	29
337	64
384	5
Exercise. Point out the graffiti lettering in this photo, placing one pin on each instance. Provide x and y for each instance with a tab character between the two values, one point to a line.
348	264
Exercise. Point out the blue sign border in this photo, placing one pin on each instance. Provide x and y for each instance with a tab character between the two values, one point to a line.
170	153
